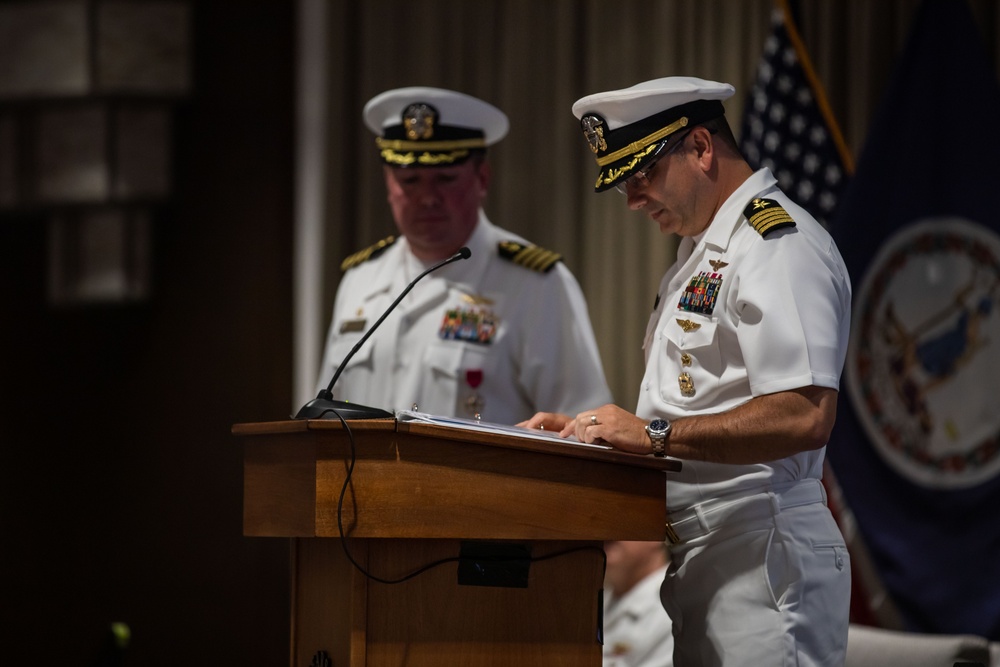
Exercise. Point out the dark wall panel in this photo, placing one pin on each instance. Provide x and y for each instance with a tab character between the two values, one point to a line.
120	484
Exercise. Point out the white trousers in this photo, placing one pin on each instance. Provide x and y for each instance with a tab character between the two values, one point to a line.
763	586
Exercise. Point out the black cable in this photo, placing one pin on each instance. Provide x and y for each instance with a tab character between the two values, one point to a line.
437	563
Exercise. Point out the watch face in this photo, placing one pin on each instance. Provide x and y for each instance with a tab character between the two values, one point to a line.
658	425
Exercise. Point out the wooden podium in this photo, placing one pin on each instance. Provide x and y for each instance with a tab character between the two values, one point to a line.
515	527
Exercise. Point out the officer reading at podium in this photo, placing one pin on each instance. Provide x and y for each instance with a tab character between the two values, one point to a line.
744	350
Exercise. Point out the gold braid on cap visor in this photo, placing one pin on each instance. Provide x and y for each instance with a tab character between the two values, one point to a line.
636	146
426	159
401	152
614	174
454	145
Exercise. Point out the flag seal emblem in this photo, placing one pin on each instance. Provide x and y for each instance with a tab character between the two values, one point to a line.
925	342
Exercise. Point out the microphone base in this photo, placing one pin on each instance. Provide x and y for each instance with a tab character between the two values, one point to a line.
327	408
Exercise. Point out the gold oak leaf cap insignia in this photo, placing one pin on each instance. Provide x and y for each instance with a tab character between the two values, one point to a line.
624	128
766	215
529	256
371	252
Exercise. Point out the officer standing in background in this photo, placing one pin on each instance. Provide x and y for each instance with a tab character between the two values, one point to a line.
500	335
744	351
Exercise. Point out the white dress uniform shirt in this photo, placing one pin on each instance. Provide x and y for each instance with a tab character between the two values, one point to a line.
535	350
762	315
637	630
779	322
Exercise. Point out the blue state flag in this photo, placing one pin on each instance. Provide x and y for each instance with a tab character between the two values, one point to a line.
916	447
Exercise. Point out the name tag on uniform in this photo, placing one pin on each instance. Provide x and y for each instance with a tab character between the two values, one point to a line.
350	326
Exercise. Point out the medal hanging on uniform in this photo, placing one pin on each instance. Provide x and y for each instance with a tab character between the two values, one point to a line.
474	403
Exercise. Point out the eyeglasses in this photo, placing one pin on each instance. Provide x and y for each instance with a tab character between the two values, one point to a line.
641	177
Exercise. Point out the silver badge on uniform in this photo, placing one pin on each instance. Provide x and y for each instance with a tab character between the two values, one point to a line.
418	120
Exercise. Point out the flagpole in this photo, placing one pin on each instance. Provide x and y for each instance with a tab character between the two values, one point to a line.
814	83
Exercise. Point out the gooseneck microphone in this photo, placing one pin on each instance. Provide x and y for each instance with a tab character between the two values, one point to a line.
324	406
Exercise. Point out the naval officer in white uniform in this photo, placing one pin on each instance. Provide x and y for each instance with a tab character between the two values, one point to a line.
500	335
744	351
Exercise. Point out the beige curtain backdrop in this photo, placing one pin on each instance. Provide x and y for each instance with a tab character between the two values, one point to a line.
533	59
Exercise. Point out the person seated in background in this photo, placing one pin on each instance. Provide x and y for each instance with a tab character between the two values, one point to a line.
500	335
637	630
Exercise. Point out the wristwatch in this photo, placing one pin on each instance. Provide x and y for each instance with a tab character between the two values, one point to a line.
659	431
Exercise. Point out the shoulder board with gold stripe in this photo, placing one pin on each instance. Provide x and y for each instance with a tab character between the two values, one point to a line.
529	256
371	252
766	215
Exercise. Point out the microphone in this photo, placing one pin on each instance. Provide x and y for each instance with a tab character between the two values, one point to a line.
324	406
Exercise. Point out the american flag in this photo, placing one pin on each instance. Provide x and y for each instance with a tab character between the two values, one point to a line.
788	126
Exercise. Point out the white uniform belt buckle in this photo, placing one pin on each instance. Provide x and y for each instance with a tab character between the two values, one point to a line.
704	518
